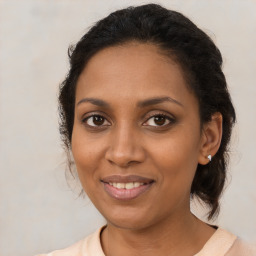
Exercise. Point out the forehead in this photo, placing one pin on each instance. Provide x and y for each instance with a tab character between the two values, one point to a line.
132	71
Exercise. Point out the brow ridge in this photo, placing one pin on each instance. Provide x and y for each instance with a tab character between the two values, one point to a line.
157	100
94	101
140	104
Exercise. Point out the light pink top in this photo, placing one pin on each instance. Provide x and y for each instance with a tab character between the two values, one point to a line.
220	243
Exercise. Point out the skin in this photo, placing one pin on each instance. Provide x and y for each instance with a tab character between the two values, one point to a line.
129	141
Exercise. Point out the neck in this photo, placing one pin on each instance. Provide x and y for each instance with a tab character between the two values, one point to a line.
183	235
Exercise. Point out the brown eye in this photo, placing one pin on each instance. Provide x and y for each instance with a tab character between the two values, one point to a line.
159	120
96	120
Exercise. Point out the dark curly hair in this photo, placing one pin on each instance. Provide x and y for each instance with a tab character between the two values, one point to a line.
182	41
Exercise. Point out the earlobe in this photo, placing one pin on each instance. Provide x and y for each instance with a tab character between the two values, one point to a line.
211	139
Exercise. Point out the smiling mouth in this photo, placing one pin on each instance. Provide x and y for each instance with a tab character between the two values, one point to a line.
126	187
129	185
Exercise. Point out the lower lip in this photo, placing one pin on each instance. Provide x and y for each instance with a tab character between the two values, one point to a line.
126	194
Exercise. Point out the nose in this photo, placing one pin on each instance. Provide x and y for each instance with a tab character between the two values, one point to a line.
125	147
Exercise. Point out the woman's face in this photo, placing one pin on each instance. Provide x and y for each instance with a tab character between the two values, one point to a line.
136	138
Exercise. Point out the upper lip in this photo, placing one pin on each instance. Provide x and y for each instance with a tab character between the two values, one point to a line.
126	179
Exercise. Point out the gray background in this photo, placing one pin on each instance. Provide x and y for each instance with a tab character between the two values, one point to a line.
38	211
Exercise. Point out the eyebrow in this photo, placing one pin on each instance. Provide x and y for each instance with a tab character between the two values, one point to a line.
157	100
97	102
140	104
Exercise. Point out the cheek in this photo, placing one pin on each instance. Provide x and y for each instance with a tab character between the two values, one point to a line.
178	149
87	155
176	159
85	148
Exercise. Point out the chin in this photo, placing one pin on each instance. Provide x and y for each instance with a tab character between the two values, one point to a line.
130	219
128	225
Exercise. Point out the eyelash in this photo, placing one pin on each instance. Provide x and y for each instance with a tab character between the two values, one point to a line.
166	117
170	119
94	126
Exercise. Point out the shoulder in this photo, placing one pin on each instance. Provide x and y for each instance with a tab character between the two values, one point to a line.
86	247
218	244
225	243
74	250
242	248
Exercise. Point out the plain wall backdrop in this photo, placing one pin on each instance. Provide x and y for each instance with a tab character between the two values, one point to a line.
38	211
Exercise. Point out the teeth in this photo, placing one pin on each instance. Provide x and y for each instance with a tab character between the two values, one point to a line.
120	185
137	184
129	185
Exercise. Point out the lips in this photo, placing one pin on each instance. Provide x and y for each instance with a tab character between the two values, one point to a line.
126	179
126	187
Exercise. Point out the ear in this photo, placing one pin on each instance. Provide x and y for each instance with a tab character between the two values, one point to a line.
211	138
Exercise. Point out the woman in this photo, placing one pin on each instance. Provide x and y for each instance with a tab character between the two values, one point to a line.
147	115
